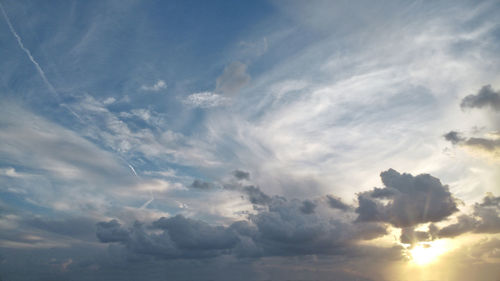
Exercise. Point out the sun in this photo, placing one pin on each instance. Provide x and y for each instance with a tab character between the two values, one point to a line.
425	253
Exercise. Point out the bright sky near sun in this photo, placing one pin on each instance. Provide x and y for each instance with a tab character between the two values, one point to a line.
269	140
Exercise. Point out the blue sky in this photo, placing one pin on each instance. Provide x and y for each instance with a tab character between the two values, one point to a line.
193	140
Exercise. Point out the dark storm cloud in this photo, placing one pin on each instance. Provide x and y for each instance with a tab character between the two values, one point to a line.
412	200
486	97
336	203
241	175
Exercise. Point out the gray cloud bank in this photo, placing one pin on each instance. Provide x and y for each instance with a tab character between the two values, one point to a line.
322	226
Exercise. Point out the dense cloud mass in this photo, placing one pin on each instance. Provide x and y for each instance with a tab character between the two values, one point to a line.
412	200
284	228
486	97
336	203
485	218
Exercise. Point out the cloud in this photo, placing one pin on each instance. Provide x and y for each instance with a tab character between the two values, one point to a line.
282	230
253	193
454	137
156	87
276	227
179	237
228	83
336	203
307	207
232	79
485	218
241	175
192	234
205	100
489	145
111	232
486	97
412	200
410	236
198	184
76	227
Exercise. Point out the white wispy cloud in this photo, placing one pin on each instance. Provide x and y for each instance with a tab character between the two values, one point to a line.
205	100
156	87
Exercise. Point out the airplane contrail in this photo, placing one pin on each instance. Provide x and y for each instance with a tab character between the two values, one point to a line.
32	59
133	170
150	192
147	203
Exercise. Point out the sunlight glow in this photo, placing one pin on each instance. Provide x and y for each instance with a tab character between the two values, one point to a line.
425	253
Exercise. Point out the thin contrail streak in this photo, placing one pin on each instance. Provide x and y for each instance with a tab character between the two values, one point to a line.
133	170
32	59
150	192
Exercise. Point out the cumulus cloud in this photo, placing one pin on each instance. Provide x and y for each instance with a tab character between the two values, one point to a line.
197	235
111	232
205	100
281	230
412	200
232	79
486	97
156	87
179	237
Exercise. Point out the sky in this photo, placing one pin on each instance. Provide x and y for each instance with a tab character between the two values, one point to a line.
250	140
